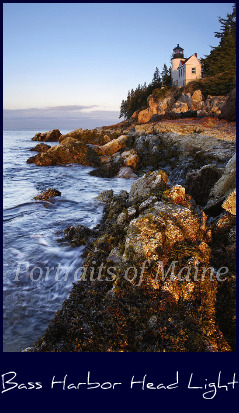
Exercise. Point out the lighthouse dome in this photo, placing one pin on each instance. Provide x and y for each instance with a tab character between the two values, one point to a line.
178	52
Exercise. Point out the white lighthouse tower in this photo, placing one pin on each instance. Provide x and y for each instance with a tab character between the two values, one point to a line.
176	58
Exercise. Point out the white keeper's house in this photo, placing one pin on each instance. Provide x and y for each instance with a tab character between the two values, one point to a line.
184	70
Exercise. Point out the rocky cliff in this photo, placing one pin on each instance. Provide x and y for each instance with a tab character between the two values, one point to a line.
159	270
152	277
176	104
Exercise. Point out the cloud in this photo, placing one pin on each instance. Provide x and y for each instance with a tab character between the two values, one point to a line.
69	116
47	111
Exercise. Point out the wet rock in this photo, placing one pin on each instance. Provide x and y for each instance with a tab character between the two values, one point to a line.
200	182
82	147
106	170
228	110
93	155
51	136
152	183
47	194
78	235
106	196
40	147
126	172
134	299
69	151
224	255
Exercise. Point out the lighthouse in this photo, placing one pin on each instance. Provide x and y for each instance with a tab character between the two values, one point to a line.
178	55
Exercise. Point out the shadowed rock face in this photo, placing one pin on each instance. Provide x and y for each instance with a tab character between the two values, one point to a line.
185	104
200	182
228	110
134	304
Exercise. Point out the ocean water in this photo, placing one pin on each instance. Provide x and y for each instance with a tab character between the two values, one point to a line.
32	293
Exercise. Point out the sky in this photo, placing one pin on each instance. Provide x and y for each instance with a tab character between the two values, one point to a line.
73	63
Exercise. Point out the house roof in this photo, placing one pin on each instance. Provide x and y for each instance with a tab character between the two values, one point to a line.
183	62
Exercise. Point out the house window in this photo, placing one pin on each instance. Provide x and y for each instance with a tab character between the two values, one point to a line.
194	70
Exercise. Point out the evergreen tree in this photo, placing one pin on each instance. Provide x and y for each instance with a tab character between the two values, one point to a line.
222	58
156	82
166	77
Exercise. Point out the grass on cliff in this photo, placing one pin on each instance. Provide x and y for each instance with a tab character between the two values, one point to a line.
218	85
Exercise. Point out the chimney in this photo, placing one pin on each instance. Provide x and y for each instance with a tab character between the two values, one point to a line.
196	54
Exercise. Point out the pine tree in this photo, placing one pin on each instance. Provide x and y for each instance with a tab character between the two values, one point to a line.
156	82
166	77
222	58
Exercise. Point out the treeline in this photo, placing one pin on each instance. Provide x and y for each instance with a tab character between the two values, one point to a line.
137	98
222	58
219	67
220	64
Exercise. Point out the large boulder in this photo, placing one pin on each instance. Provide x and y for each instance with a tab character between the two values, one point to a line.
186	99
200	182
114	146
40	147
69	151
223	187
51	136
145	115
98	136
131	158
227	182
82	147
197	100
197	96
214	104
165	105
77	235
228	110
47	195
126	172
151	183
